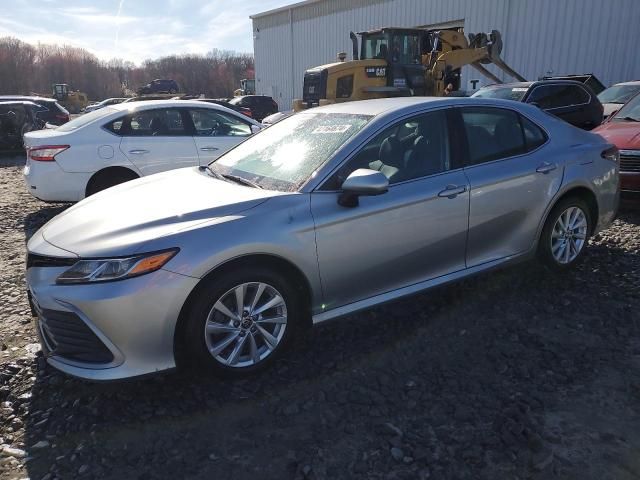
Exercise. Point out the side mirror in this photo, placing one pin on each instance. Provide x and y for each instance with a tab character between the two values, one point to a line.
535	104
255	129
362	182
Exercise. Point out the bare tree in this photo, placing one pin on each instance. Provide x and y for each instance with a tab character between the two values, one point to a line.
25	69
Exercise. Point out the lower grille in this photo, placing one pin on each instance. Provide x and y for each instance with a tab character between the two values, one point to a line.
67	336
629	164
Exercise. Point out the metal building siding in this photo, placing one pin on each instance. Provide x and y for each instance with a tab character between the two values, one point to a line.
562	36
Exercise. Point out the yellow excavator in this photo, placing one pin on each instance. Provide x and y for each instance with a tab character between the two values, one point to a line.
392	62
74	101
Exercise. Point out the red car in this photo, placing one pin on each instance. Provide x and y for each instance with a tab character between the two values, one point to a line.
623	130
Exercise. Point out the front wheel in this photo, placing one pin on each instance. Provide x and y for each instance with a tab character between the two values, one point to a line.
241	322
565	234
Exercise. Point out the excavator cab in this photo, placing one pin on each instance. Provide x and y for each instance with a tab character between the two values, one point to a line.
402	49
60	91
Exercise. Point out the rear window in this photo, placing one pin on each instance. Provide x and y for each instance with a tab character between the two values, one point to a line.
85	119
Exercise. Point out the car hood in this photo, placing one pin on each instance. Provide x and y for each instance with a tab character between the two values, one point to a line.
624	135
120	220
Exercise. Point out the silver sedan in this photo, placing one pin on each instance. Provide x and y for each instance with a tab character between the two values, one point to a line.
330	211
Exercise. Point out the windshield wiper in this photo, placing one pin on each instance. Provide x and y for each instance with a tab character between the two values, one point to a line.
630	119
212	172
240	180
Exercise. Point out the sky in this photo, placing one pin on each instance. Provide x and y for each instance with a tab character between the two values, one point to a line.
135	30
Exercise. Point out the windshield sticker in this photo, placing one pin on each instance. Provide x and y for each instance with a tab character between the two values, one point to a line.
331	129
518	89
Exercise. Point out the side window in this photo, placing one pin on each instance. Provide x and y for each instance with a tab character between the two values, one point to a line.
211	123
534	136
115	126
410	149
344	88
492	134
166	122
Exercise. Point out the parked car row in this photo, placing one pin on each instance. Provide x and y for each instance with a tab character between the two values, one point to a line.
329	211
49	110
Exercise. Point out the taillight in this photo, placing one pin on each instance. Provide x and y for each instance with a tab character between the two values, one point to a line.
46	153
62	117
612	154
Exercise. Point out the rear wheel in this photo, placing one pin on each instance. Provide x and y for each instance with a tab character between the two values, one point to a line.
565	234
108	178
240	323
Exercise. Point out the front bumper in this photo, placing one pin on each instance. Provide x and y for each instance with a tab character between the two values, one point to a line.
117	329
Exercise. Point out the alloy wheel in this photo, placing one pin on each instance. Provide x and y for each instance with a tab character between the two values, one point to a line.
246	324
569	235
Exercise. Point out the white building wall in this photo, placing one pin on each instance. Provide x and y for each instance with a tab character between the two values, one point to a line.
540	36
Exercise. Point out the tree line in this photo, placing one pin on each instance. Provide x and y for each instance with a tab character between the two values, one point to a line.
27	69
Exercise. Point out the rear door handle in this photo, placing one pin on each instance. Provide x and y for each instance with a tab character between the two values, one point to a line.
138	152
209	149
452	191
546	167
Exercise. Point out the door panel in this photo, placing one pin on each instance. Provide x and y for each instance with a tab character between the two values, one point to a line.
508	195
157	140
402	237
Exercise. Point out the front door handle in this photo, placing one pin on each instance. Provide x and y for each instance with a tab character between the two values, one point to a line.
546	167
138	152
209	149
453	191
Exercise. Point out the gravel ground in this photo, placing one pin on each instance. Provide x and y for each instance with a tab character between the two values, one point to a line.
513	375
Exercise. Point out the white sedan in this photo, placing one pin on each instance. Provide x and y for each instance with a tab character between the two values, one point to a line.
122	142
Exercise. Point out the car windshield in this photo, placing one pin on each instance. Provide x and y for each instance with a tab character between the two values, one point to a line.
85	119
631	111
285	156
504	93
618	93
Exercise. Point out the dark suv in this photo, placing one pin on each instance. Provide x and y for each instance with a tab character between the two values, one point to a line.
572	101
260	105
49	110
159	85
16	119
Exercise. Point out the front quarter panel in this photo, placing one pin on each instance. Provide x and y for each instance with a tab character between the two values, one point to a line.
281	227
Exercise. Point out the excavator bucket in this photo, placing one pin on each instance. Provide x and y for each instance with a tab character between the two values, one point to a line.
494	45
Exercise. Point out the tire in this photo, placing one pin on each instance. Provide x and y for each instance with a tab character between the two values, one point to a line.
173	90
102	181
235	346
553	240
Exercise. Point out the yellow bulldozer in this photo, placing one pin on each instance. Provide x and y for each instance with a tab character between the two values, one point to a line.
74	101
392	62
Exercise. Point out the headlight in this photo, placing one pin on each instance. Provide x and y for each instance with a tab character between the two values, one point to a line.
106	269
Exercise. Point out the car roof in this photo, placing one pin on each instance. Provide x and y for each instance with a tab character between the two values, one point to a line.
400	105
149	104
17	102
30	98
632	82
510	85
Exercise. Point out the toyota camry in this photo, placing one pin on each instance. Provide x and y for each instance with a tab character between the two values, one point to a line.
330	211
